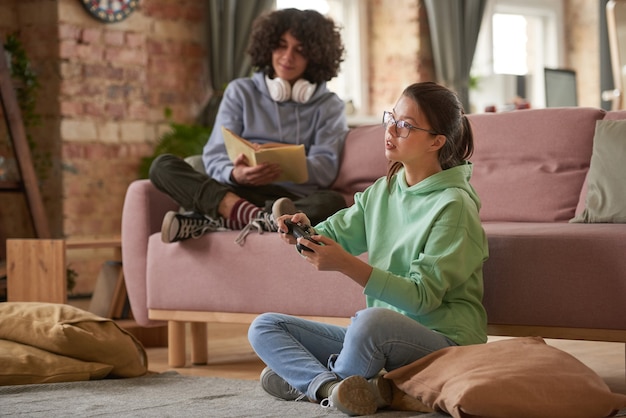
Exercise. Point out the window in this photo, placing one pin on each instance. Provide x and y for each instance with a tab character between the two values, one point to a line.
516	43
510	44
349	15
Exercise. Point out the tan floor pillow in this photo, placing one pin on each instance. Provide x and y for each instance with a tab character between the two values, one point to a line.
518	377
63	337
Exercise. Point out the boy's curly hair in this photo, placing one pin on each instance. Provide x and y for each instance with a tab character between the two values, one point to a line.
319	35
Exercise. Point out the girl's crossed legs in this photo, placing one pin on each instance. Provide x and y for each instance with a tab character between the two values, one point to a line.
308	354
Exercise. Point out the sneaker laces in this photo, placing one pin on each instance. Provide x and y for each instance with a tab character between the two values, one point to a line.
212	226
326	403
196	227
300	396
264	222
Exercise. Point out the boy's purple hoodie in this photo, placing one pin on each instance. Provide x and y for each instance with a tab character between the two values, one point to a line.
248	110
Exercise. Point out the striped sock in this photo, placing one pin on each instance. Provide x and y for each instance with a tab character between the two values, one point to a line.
242	213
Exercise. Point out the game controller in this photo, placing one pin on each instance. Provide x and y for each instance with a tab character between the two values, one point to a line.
300	231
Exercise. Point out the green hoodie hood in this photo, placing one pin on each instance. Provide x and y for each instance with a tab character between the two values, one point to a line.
457	177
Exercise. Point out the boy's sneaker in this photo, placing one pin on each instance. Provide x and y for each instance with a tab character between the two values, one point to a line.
278	387
181	226
266	222
283	206
356	395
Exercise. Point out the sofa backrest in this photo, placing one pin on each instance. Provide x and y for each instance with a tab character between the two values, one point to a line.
615	115
530	165
362	160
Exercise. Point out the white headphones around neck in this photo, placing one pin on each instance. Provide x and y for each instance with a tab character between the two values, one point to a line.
281	90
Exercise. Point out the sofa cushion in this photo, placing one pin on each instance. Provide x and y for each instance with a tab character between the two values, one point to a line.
606	189
513	378
530	165
362	160
532	265
268	275
612	115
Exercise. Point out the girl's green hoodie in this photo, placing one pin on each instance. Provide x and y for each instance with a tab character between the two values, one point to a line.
427	247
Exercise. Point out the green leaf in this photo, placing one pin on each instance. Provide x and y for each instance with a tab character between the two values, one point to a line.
182	140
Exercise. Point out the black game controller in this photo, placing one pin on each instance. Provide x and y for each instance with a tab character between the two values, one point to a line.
298	230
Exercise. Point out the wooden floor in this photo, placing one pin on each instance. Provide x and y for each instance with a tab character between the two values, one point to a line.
231	356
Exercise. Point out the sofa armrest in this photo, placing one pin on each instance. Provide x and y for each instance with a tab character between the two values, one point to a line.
142	215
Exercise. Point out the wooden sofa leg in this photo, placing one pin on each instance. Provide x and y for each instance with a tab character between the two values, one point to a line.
176	350
199	343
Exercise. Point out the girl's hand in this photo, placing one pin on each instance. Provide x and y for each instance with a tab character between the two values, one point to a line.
327	257
295	218
261	174
332	257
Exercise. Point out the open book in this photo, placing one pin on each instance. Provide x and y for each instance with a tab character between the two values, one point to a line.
291	158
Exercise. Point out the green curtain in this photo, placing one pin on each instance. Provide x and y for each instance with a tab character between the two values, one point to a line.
229	26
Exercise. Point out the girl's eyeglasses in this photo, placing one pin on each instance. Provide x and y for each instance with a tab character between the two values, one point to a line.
403	128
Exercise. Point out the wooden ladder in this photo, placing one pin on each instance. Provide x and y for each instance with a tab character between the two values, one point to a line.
28	180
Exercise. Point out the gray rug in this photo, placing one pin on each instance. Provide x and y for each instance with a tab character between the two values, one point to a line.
163	395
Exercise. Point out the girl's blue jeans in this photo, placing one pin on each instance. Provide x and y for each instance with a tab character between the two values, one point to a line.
308	354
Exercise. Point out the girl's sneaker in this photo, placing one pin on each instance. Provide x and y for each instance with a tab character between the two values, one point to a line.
356	395
278	387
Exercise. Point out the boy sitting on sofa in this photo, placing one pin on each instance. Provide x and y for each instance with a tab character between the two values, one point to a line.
286	100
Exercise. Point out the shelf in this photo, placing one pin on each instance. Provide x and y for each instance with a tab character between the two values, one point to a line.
11	186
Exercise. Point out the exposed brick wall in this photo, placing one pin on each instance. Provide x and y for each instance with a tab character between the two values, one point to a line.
116	81
105	88
582	44
400	51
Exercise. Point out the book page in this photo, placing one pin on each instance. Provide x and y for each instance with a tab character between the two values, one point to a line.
236	145
291	158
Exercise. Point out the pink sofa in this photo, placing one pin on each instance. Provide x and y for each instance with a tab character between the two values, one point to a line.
545	276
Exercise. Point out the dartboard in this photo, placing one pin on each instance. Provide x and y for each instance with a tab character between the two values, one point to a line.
110	11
